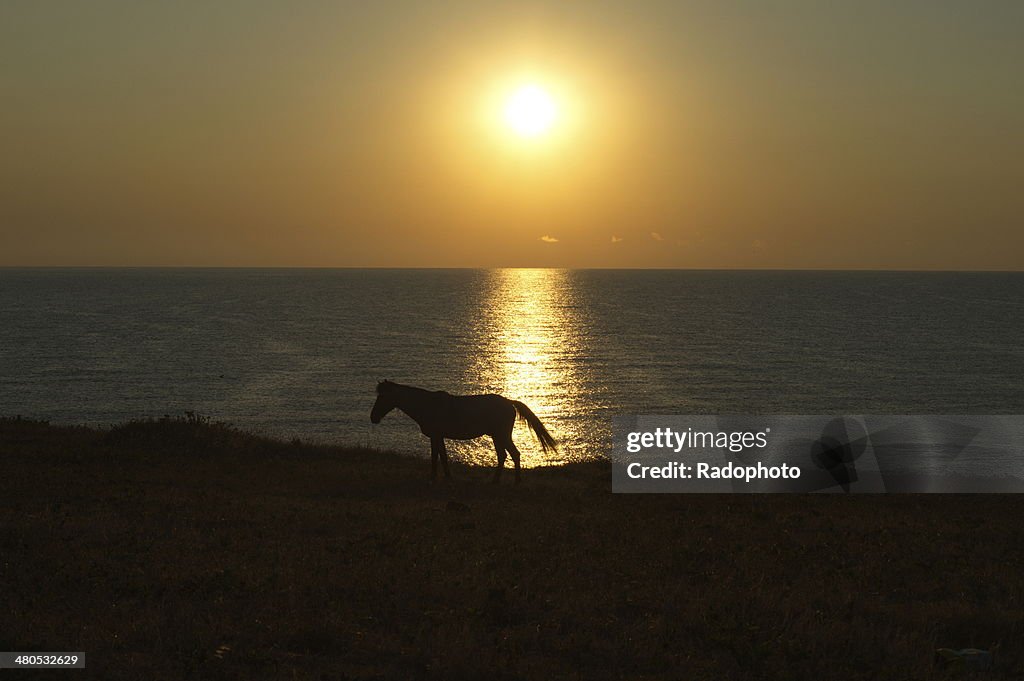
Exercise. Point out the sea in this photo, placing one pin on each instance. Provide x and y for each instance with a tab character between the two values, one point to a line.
297	353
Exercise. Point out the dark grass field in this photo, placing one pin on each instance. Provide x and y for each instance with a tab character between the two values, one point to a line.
187	550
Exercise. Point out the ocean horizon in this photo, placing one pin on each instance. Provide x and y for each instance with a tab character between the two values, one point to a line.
297	352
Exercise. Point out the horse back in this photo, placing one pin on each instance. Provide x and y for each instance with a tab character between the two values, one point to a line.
475	415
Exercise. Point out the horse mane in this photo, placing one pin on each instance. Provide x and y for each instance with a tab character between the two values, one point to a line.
390	386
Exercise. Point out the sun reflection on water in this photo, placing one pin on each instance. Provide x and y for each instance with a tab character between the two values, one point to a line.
528	348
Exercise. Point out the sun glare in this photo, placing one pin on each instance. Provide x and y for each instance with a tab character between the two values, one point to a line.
530	111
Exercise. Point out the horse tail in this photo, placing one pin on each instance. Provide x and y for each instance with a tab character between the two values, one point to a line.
547	442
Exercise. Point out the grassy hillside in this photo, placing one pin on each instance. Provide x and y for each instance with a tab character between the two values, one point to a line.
181	549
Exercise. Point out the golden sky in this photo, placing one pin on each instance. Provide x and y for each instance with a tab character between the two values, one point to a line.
686	134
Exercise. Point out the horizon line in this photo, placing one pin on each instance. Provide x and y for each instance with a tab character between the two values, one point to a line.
506	267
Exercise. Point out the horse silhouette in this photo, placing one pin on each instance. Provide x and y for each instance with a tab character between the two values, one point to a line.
460	417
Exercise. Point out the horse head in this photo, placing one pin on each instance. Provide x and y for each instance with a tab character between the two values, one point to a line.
386	401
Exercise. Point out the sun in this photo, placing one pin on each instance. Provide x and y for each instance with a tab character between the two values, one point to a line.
530	111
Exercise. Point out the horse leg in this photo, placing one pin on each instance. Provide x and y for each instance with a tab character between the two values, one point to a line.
434	455
499	447
444	458
514	451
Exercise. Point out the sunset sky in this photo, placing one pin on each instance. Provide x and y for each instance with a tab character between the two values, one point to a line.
670	134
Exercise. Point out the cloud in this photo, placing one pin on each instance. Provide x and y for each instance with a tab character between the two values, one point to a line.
616	239
657	237
549	239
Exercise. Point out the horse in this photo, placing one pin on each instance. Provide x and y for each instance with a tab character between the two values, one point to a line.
441	415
